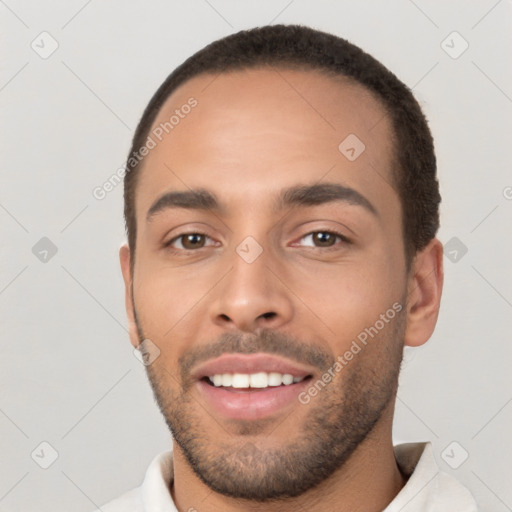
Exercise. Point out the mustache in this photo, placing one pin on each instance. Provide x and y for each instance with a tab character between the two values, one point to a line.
266	341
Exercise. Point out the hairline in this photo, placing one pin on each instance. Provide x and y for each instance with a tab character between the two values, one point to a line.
395	167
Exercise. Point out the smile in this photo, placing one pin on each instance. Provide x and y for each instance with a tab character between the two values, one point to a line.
258	380
251	386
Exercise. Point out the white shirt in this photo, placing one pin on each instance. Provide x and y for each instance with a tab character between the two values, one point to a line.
427	490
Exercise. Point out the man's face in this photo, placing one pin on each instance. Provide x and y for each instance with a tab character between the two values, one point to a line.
292	251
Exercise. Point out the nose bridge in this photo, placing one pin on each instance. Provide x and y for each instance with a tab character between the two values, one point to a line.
250	269
250	295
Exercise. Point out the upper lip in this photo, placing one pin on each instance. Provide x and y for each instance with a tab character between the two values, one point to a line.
249	363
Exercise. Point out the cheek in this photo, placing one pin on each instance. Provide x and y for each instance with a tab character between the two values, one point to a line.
172	304
161	300
350	297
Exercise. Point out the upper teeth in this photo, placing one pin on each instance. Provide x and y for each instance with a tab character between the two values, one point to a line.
253	380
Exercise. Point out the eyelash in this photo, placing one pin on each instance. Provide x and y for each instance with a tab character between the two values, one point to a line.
343	238
168	244
339	235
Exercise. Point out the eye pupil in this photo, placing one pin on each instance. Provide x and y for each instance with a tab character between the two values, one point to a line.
324	239
193	240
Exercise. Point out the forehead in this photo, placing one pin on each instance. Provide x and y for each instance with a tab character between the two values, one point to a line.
252	130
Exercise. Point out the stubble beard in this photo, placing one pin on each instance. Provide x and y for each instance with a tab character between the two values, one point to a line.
338	420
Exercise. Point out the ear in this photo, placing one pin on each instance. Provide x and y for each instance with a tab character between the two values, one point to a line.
125	257
425	286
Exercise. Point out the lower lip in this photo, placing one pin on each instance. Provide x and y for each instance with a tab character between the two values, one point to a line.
251	405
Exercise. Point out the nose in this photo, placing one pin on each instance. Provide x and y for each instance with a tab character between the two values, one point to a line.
252	296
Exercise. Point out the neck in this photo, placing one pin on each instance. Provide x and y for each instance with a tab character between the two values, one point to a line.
367	482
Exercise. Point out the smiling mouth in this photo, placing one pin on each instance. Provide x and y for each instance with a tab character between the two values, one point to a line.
251	387
252	398
253	381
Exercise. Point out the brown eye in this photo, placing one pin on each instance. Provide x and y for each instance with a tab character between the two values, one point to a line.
189	241
324	239
193	241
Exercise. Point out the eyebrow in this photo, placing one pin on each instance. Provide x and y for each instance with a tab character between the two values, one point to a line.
301	195
320	193
198	199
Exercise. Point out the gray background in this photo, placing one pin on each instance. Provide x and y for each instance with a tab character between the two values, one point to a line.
68	375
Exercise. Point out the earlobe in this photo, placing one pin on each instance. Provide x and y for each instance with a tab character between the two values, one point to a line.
125	258
425	286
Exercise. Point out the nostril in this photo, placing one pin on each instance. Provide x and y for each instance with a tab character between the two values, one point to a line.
268	315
